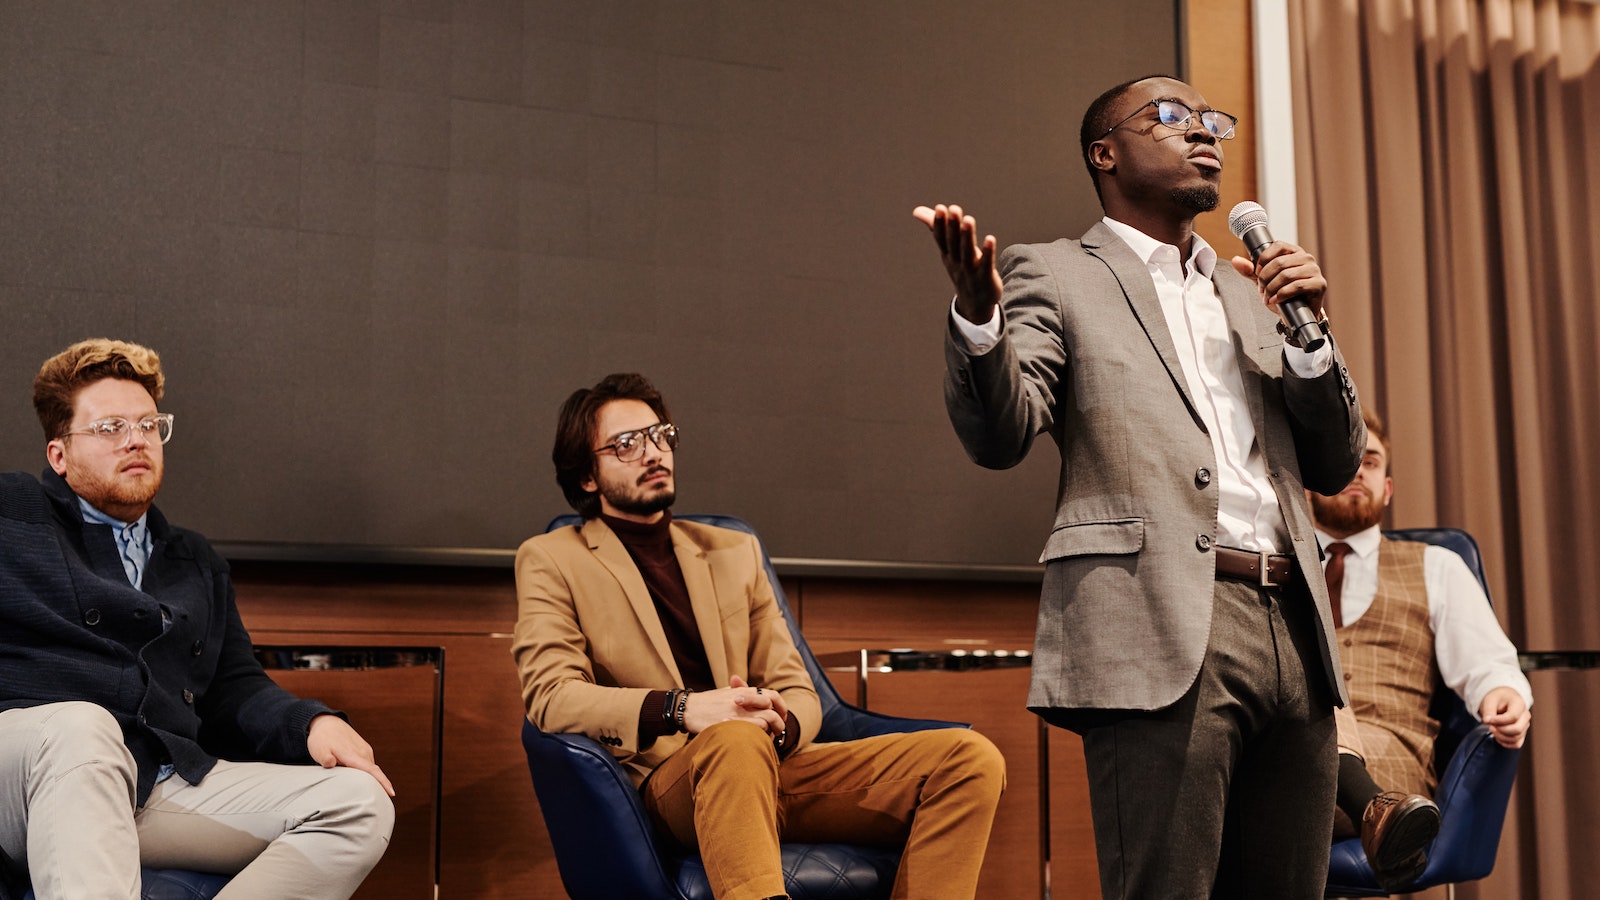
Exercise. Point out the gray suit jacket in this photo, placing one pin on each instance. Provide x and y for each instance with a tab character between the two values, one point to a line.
1086	356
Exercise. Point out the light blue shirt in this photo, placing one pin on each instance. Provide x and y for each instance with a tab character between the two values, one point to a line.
133	540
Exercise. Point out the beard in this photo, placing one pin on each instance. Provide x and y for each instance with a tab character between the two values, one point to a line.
1347	513
1199	199
115	494
639	499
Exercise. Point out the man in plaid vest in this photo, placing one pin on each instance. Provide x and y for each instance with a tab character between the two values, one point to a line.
1407	615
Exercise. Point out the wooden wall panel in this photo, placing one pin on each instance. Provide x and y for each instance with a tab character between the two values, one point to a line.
991	702
492	839
492	842
1074	870
394	709
844	615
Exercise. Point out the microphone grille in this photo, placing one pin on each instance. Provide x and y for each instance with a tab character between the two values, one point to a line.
1246	216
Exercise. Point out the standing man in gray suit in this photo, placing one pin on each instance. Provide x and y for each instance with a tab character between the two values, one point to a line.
1177	631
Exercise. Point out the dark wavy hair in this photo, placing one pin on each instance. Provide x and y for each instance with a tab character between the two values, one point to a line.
575	433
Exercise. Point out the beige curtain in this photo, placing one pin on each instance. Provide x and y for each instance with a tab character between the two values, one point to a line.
1449	175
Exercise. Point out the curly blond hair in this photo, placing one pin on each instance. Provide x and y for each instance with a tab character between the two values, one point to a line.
62	376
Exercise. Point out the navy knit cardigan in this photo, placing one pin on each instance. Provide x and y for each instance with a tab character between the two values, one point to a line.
73	628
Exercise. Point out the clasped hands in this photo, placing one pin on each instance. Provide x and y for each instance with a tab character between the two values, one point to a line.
738	702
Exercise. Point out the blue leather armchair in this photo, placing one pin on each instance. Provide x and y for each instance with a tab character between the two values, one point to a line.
1474	782
606	847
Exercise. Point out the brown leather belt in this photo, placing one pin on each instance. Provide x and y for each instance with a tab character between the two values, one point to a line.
1265	569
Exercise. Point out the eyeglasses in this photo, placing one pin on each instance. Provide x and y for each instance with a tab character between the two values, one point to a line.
629	445
1173	114
119	430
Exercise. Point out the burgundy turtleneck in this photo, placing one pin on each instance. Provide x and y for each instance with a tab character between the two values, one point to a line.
650	545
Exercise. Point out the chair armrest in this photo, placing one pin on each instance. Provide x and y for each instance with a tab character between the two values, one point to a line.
845	722
1473	794
605	844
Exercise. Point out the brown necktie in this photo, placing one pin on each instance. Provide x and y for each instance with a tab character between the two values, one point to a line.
1335	572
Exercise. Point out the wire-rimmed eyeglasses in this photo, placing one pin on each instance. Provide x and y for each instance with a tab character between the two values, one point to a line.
629	445
1175	114
119	431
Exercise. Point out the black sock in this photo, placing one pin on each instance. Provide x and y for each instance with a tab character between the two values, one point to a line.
1356	787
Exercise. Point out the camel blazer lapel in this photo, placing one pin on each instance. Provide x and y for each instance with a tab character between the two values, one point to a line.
703	598
608	549
697	577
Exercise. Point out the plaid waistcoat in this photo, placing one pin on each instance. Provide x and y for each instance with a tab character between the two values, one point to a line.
1388	654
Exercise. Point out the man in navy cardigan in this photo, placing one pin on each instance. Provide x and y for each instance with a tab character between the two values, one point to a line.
125	673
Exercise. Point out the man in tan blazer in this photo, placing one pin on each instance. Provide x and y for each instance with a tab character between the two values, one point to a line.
1409	616
1177	632
663	641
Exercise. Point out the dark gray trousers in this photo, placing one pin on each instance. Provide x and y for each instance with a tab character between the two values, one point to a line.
1228	793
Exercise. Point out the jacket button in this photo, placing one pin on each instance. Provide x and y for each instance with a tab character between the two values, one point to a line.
198	648
92	617
1202	476
188	696
1203	542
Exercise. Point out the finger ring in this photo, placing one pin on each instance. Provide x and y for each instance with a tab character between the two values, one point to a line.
758	690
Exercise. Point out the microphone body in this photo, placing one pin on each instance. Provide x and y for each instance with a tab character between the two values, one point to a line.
1248	222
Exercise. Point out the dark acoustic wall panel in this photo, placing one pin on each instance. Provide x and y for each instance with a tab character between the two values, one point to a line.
378	242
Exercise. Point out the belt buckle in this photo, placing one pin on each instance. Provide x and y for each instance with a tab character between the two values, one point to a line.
1266	572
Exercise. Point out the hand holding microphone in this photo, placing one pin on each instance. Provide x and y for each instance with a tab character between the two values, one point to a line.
1288	276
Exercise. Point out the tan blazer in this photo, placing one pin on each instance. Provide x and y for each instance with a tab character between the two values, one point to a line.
589	645
1087	358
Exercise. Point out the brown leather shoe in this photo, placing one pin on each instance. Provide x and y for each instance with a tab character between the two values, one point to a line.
1396	830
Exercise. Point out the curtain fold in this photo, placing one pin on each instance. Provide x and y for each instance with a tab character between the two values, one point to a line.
1449	181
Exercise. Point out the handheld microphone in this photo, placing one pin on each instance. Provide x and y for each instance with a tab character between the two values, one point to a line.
1248	222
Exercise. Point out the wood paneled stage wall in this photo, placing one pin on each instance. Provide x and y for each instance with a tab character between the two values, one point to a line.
491	840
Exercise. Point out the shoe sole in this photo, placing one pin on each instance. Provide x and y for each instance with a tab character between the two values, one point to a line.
1404	854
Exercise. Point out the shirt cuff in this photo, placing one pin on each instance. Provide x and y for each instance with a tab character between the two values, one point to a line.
652	719
979	339
1309	363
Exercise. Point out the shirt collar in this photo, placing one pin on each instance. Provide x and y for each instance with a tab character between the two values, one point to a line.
1203	257
93	514
1362	543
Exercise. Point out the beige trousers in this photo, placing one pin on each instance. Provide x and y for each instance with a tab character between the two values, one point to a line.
67	816
727	795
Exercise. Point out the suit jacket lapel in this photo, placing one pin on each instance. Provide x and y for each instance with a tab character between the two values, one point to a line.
1131	272
609	550
703	598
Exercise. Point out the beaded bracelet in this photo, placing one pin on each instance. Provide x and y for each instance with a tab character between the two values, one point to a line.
677	715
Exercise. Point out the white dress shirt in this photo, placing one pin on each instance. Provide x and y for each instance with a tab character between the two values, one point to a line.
1474	655
1248	515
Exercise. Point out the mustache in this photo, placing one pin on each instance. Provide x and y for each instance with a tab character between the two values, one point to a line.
652	472
140	459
